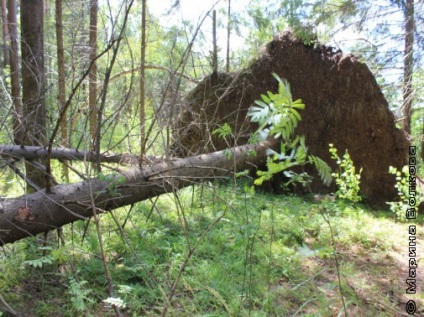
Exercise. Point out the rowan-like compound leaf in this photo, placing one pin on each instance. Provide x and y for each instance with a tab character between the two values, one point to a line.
324	171
277	116
115	301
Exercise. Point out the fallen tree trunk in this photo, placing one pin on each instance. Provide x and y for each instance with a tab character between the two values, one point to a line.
39	152
35	213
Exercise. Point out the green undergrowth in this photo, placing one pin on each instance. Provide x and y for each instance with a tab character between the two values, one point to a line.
268	255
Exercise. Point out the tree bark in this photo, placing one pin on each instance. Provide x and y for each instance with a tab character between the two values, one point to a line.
61	81
34	112
408	64
5	34
227	67
39	212
215	46
92	95
16	152
143	79
14	71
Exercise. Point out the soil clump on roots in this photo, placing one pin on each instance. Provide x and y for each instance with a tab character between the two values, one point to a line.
344	106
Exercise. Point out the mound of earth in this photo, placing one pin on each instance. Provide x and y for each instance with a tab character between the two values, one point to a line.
344	106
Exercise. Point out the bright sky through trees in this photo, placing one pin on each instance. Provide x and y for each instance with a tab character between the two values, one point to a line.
194	11
380	39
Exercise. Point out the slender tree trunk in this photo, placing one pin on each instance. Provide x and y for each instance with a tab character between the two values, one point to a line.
408	65
61	80
14	72
228	37
143	80
32	51
93	75
39	212
5	33
34	112
215	46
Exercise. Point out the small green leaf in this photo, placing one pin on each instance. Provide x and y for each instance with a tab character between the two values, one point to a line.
266	98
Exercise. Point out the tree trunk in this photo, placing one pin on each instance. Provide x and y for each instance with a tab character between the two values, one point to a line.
92	97
143	79
408	65
215	46
227	68
14	71
39	212
34	112
61	81
5	34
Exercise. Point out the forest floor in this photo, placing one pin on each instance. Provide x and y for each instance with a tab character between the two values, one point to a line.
268	255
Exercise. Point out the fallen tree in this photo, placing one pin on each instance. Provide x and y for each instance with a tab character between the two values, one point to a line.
35	213
16	152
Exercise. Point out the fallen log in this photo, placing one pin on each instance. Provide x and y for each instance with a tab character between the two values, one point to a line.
39	212
40	152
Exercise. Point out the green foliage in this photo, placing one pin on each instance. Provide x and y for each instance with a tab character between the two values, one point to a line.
278	117
277	114
79	294
242	173
59	255
40	262
402	185
346	178
223	131
323	169
251	262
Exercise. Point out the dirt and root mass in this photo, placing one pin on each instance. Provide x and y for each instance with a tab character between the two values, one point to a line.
344	106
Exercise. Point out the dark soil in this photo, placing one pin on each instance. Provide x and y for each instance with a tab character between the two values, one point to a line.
344	106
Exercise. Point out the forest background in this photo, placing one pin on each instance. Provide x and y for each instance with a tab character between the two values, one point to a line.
104	79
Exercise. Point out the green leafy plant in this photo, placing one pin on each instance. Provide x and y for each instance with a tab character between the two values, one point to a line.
402	185
278	116
79	295
223	131
346	178
40	262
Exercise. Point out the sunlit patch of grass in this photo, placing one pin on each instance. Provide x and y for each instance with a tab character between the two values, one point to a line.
249	263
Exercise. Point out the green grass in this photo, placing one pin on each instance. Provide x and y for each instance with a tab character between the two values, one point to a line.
268	255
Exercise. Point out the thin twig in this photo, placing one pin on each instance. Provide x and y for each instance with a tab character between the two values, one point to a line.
336	259
9	309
